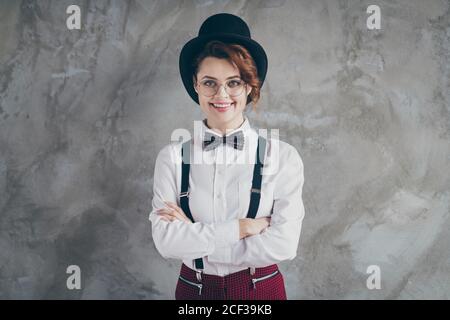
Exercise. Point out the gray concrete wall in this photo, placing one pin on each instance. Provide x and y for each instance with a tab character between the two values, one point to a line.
84	113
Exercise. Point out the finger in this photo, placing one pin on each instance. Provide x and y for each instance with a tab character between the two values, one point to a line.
168	203
264	219
172	214
179	215
164	211
173	206
168	212
166	217
172	218
177	209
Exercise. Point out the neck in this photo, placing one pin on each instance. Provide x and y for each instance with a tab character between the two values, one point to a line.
224	128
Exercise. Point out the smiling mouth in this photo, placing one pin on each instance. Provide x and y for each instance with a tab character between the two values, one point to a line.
222	105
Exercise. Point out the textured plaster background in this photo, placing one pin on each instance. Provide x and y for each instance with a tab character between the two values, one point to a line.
84	113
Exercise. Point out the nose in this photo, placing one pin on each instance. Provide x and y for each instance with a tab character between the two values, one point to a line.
221	92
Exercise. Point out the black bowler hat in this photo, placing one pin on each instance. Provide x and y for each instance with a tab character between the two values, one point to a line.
227	28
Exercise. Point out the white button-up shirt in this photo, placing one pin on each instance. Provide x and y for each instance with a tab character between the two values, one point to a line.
220	188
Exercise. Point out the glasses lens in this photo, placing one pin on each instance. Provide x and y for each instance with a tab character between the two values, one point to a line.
234	87
209	88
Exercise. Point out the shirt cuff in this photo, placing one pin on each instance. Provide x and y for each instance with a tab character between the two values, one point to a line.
227	233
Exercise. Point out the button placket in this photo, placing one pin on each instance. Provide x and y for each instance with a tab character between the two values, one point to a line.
221	182
215	188
219	198
218	186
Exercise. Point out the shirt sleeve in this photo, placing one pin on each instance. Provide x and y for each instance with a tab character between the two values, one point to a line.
279	241
178	239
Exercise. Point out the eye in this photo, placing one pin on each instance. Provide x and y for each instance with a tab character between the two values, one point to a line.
209	83
234	83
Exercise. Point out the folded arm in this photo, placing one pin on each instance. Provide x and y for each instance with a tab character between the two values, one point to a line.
280	240
178	239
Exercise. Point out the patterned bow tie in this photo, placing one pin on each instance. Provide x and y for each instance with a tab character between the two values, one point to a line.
235	140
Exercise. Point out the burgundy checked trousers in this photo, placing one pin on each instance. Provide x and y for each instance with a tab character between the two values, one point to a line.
265	284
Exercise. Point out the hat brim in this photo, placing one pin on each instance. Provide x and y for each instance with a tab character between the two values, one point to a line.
194	46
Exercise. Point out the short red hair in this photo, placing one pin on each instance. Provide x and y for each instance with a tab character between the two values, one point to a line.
238	56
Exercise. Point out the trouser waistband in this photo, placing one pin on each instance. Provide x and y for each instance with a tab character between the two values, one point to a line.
232	279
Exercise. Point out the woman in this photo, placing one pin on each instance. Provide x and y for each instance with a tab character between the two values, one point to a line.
226	220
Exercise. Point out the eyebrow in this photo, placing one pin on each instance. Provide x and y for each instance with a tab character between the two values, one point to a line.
236	76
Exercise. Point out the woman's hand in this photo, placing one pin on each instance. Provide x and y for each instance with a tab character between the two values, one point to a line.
250	227
172	213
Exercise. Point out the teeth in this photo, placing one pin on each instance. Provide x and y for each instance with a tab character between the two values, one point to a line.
221	105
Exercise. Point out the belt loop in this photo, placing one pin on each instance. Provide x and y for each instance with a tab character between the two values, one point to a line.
199	276
252	270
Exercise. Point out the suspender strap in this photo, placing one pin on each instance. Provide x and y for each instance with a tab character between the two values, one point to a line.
185	168
256	184
257	178
184	195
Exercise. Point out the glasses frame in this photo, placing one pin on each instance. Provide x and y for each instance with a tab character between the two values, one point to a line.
198	85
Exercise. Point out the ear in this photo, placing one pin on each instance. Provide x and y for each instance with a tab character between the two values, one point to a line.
249	90
194	81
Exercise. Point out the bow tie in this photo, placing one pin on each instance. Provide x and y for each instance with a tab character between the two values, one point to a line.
235	140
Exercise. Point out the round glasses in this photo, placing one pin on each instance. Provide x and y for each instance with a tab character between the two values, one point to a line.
209	88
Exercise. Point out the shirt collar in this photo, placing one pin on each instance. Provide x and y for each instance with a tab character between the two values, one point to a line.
245	127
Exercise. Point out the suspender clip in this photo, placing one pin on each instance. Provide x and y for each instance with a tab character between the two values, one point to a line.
256	190
184	194
199	276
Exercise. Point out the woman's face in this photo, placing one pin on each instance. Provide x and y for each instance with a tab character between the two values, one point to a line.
222	110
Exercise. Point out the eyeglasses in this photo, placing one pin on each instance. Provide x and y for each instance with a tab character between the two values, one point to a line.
209	88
